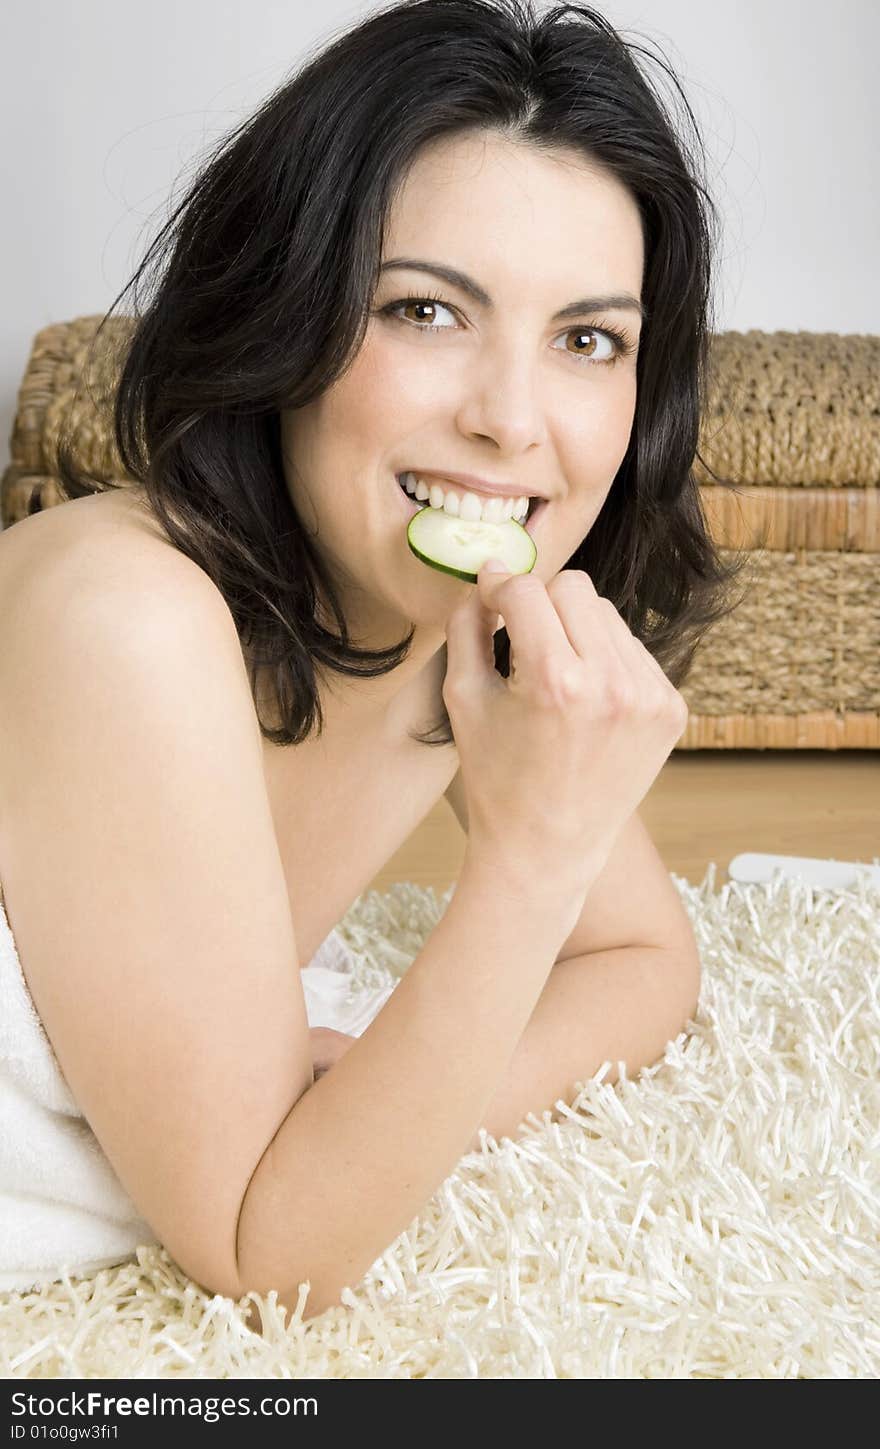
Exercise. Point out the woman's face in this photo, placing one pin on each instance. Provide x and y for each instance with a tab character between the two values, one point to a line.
503	388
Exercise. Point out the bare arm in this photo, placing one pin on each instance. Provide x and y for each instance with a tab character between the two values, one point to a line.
481	1030
626	984
366	1147
622	1005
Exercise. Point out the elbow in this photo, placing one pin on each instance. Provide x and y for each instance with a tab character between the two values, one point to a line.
323	1290
293	1252
692	980
311	1290
284	1260
682	978
686	971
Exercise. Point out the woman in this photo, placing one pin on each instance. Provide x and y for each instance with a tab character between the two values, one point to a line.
463	244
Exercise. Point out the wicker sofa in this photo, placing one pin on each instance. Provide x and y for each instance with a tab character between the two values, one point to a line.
793	420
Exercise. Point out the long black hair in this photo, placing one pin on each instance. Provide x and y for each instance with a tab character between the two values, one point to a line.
272	259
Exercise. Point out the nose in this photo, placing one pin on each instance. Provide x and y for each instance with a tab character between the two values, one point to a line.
500	399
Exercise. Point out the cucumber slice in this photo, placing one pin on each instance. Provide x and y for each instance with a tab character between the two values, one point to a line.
459	548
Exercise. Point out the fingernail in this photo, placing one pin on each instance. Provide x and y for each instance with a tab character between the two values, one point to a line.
495	566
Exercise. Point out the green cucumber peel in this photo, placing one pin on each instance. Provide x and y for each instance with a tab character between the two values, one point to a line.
459	548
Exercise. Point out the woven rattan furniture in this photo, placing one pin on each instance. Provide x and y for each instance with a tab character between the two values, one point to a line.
793	420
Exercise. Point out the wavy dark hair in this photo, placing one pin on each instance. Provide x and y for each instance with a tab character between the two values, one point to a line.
273	257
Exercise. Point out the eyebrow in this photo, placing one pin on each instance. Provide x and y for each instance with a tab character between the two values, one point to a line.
608	301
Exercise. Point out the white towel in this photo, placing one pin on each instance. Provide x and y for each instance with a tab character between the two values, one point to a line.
61	1204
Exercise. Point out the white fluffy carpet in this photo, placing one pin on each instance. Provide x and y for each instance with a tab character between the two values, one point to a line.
716	1217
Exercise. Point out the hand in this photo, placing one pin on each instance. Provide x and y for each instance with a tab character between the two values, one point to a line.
328	1046
554	759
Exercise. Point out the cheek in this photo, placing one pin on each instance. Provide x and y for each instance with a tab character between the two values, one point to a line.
390	386
597	445
354	410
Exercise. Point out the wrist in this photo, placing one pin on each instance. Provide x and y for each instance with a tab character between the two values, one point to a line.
530	885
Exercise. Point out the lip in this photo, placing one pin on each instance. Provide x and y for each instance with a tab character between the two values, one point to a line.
414	505
475	484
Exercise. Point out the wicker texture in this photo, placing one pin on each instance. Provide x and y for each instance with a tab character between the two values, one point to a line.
797	409
793	419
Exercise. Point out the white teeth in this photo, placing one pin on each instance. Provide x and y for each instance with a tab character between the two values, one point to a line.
465	505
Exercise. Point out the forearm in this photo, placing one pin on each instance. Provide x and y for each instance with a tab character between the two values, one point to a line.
620	1005
363	1150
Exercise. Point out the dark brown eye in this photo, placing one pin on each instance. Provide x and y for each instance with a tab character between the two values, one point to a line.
422	307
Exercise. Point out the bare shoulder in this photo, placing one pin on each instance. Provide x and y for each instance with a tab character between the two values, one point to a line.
98	539
86	553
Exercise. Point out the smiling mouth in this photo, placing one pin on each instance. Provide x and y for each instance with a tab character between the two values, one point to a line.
425	503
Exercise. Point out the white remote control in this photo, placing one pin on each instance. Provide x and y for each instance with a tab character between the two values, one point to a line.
827	874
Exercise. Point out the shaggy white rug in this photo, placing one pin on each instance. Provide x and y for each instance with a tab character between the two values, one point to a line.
716	1217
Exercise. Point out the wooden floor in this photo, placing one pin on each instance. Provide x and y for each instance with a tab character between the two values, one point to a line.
710	805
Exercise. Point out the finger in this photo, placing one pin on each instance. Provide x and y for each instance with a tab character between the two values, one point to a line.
586	618
633	657
535	630
631	647
470	653
573	594
470	631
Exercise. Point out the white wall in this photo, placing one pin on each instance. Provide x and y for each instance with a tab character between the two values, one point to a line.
107	106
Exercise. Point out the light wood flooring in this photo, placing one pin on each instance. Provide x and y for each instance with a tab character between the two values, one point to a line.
710	805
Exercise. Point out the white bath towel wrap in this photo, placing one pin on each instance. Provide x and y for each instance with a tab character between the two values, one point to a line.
61	1205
